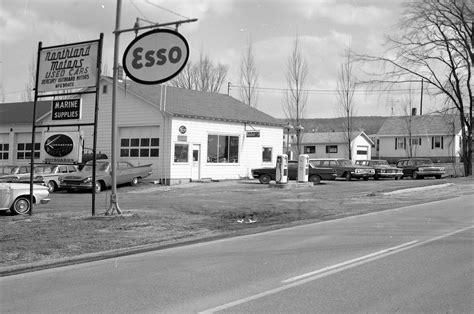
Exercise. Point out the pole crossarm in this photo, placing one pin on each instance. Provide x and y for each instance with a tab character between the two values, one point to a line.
135	29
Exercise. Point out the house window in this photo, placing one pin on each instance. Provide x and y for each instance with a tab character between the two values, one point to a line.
140	147
24	151
267	154
222	149
331	149
400	143
4	151
310	149
104	89
181	152
416	141
437	142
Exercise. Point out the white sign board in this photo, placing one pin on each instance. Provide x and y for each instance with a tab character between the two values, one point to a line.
156	56
68	67
62	147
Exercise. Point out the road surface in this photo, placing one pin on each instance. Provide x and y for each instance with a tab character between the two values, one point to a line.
411	259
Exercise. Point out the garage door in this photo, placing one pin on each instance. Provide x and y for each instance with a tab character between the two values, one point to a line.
140	145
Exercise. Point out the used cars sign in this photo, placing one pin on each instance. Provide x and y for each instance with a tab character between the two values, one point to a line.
156	56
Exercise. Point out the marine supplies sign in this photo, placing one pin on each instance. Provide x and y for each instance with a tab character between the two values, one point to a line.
66	109
68	67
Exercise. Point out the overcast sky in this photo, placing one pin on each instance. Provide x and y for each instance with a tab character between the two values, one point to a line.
325	28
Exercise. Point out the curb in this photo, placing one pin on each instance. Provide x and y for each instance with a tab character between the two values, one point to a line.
421	188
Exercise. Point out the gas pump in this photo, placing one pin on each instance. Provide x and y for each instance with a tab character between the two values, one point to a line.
303	168
282	169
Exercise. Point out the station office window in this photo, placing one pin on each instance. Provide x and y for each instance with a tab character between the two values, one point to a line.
222	149
267	154
181	152
24	151
140	147
331	149
310	149
4	151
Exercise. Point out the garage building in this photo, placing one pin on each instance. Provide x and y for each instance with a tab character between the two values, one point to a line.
186	135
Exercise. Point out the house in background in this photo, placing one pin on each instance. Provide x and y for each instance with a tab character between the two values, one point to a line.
434	136
334	145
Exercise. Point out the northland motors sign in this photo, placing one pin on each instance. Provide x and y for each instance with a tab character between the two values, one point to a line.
68	67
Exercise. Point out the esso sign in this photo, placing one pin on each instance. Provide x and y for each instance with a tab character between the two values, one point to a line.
156	56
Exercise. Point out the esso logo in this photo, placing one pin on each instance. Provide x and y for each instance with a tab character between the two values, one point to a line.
156	56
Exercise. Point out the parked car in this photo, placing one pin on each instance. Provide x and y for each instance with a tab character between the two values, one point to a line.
47	175
16	197
419	168
315	175
126	173
382	169
8	173
345	168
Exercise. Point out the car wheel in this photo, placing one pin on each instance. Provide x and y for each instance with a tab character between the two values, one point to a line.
366	178
348	176
98	187
396	178
438	177
134	181
315	179
21	206
376	177
415	176
51	186
264	179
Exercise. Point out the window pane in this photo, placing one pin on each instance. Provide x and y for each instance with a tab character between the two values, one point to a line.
21	146
124	153
155	142
234	149
5	156
125	142
212	148
154	152
144	152
135	142
134	152
145	142
37	146
267	154
181	152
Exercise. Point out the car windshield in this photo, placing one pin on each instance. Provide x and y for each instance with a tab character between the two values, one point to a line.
379	162
101	166
7	170
345	162
423	162
44	169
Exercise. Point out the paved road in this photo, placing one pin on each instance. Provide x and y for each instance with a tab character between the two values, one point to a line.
412	259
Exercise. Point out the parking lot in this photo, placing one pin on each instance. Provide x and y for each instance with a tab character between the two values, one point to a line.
158	216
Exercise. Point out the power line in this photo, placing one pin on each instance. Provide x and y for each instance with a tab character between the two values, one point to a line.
167	10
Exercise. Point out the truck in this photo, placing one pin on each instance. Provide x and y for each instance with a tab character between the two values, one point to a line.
315	175
127	173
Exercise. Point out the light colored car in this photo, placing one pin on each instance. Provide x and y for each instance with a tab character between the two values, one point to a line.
48	175
16	197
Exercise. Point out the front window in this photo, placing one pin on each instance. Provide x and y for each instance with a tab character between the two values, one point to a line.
331	149
267	154
181	152
222	149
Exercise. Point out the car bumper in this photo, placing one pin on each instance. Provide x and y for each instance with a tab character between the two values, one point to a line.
430	173
389	175
362	175
45	200
76	186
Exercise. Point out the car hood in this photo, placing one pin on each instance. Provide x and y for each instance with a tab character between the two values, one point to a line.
81	175
23	186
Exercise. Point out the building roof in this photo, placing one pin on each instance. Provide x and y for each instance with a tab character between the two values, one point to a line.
331	137
22	112
420	125
188	103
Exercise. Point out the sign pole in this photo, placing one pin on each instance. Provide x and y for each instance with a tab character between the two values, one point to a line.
114	206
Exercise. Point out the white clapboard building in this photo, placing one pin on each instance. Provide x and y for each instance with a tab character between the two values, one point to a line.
186	135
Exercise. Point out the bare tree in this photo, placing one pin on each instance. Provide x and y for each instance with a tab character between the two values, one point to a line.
346	85
436	46
28	93
248	77
296	97
203	76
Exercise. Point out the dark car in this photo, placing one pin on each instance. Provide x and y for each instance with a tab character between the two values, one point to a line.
344	168
382	169
419	168
315	175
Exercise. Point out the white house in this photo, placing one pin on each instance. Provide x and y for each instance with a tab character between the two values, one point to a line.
334	145
434	136
186	135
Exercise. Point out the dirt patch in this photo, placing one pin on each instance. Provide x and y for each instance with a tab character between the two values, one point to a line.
158	216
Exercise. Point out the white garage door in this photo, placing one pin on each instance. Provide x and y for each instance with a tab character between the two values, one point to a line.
140	145
22	147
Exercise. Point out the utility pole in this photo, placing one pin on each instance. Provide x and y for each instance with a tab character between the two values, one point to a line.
114	204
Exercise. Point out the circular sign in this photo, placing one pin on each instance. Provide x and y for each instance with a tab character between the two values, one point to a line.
182	129
58	145
156	56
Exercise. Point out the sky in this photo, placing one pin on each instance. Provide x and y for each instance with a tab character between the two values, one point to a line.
325	28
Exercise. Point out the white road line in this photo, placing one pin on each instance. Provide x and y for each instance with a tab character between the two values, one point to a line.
332	270
352	261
